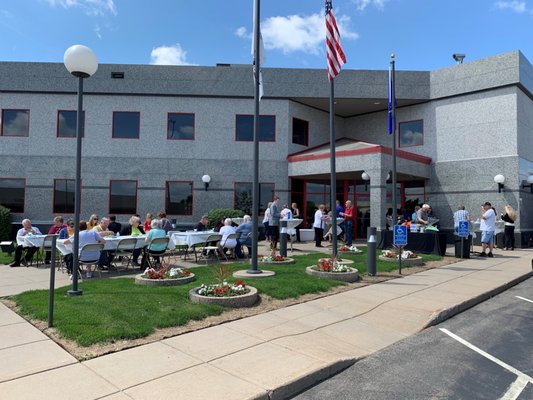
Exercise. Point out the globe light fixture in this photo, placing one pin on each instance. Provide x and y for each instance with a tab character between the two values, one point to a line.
499	179
206	179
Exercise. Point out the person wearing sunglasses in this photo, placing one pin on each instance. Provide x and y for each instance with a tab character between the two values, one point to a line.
92	222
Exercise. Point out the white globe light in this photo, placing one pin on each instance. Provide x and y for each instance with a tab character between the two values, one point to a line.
206	179
365	176
530	179
80	61
499	178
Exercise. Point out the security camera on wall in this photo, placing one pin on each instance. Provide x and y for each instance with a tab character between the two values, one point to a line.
458	57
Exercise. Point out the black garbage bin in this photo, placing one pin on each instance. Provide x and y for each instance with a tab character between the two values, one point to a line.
466	242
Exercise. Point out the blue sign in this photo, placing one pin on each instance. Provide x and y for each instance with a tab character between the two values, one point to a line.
399	235
463	229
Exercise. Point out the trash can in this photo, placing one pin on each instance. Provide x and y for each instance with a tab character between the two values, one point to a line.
467	242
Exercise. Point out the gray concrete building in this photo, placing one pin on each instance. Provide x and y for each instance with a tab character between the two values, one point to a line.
152	132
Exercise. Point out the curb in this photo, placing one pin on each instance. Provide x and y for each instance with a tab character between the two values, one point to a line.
294	387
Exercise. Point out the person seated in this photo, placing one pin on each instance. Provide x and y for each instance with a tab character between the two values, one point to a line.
103	230
27	229
155	232
134	228
68	230
114	226
202	225
220	224
166	225
92	222
245	239
54	230
225	231
86	237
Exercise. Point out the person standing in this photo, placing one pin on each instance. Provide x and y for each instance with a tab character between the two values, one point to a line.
147	222
509	219
266	218
487	226
460	215
296	214
347	214
273	222
318	224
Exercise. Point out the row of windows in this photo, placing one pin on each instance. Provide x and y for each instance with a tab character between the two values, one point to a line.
181	126
123	196
126	125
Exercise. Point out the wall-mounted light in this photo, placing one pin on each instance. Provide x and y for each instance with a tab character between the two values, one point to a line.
366	178
499	179
529	183
206	179
458	57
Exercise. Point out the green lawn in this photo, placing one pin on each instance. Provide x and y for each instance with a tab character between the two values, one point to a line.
115	309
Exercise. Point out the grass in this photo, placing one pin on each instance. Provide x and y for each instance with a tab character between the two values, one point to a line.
117	309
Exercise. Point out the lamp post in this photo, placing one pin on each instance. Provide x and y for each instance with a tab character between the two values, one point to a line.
81	62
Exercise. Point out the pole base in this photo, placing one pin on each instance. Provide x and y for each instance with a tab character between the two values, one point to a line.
72	293
254	271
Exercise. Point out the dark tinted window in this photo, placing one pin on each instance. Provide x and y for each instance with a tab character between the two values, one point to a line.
12	194
15	122
66	124
123	197
179	198
180	126
300	132
245	128
411	133
64	191
126	125
244	196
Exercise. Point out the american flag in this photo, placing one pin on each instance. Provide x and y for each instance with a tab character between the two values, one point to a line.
335	55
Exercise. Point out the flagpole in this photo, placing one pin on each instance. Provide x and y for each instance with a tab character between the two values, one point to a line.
393	116
333	183
255	187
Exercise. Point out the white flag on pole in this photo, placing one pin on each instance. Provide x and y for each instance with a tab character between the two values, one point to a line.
261	59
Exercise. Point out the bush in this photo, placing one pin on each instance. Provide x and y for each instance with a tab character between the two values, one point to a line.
5	223
217	214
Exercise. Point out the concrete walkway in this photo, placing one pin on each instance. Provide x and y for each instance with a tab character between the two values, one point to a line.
267	356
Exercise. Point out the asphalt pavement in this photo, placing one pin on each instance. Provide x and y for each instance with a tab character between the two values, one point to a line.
485	352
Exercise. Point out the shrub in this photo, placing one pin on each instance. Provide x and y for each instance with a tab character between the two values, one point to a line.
5	223
217	214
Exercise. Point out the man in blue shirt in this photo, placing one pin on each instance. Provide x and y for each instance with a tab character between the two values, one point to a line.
27	229
245	230
460	215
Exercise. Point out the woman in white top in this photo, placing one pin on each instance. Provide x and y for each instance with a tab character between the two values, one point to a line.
225	231
265	221
319	224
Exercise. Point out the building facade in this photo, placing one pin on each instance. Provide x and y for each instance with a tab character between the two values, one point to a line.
152	132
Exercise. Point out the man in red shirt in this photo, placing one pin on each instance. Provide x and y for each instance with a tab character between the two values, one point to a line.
348	222
54	230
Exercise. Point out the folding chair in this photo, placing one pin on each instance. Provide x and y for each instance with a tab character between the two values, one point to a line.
90	248
45	247
150	253
124	249
210	245
223	244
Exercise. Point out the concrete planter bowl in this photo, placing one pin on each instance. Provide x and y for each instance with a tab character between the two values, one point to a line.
243	300
139	280
405	261
350	252
345	261
286	261
351	276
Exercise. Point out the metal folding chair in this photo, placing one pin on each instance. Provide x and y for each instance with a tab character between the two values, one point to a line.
223	244
210	246
89	248
45	247
124	249
150	253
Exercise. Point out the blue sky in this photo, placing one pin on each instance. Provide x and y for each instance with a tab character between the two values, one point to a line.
422	33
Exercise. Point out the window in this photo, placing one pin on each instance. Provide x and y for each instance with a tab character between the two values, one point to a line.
66	124
411	133
300	131
64	195
180	126
244	197
245	128
12	194
15	123
126	125
123	197
178	197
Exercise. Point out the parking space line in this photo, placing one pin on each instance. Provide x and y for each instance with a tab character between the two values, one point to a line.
518	385
523	298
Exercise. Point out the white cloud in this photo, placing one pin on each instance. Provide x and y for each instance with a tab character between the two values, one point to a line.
169	55
362	4
90	7
97	31
298	33
516	6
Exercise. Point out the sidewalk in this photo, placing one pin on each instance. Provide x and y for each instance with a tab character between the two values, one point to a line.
267	356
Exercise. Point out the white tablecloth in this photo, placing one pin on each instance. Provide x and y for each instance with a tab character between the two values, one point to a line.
189	238
111	243
291	225
237	220
30	240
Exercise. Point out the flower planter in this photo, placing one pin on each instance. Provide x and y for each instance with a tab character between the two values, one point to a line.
405	261
139	280
286	261
351	276
243	300
345	261
349	252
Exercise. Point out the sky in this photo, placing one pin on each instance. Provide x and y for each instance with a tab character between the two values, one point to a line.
423	34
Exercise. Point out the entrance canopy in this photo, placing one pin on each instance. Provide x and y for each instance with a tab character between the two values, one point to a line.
353	157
